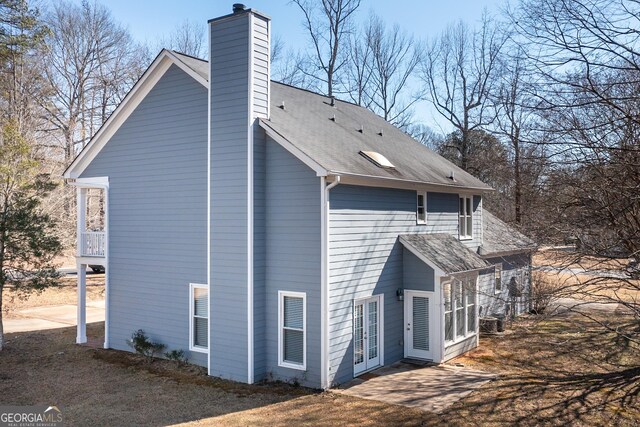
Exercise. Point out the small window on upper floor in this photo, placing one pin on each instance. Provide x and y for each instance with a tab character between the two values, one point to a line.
421	208
465	223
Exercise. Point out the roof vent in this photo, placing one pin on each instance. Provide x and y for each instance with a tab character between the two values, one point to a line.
333	119
452	176
377	159
281	106
361	130
238	7
380	133
333	101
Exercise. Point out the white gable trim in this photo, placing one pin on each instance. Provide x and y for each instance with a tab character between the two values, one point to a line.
139	91
317	168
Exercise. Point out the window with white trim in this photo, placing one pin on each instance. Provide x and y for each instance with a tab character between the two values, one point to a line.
292	339
465	215
460	317
421	208
199	317
498	278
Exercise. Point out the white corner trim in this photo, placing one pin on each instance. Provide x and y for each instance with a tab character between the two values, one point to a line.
135	96
324	341
319	170
250	112
209	371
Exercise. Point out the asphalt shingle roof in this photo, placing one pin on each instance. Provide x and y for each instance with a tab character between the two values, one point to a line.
333	137
498	237
445	251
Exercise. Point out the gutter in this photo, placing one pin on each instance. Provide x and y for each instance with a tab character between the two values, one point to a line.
324	278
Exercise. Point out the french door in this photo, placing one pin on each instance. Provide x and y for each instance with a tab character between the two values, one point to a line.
420	322
367	315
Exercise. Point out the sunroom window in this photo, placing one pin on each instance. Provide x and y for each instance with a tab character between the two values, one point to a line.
460	318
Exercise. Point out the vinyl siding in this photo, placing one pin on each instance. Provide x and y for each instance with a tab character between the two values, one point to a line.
417	275
292	256
261	72
229	70
366	258
259	253
157	168
459	348
496	304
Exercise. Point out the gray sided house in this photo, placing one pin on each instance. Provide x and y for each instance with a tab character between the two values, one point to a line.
274	233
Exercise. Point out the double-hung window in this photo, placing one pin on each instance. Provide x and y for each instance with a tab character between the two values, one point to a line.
465	223
292	338
460	318
421	208
498	278
199	317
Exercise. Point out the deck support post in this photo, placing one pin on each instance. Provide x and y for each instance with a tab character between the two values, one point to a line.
81	337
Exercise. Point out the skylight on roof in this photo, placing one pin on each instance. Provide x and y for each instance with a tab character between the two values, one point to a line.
377	159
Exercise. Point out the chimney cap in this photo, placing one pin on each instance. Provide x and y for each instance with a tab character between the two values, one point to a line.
239	7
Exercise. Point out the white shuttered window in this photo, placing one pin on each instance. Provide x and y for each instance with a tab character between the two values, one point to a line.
292	338
199	317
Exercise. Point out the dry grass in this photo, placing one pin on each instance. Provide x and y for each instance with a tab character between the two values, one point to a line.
570	280
66	293
555	258
558	371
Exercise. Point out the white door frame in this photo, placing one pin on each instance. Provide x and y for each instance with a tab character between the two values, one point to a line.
366	365
435	324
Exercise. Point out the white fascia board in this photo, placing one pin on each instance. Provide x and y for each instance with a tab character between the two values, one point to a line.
378	181
317	168
135	96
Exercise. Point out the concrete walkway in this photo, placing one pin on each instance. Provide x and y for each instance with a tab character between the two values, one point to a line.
52	317
431	388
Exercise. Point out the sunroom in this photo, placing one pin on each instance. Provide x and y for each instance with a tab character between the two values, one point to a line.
440	294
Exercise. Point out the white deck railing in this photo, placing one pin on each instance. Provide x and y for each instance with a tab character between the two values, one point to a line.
92	243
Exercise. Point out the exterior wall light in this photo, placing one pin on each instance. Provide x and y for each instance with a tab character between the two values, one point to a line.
400	294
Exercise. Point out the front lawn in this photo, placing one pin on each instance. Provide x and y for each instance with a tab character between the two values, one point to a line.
558	371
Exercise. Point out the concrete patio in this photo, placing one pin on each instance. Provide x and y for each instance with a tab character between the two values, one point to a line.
430	388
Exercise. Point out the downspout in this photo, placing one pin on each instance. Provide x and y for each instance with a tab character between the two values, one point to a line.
324	256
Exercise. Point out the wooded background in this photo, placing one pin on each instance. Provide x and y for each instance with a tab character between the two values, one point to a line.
542	98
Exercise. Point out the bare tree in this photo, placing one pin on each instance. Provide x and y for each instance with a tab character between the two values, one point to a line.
188	38
287	65
358	71
393	59
586	59
90	65
328	23
459	70
516	116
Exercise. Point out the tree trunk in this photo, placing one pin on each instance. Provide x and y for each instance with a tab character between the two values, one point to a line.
518	178
1	325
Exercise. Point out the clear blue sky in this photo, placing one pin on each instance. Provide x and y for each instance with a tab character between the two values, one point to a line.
151	20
